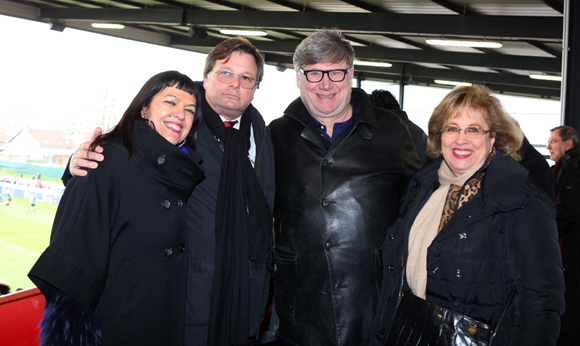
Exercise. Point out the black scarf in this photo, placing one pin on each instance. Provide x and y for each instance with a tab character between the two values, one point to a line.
243	234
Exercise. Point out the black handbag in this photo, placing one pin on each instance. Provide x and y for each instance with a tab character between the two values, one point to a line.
421	323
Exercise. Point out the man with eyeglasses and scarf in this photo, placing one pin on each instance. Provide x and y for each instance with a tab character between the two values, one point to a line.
341	166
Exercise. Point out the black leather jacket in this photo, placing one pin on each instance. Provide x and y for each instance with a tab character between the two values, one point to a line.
334	203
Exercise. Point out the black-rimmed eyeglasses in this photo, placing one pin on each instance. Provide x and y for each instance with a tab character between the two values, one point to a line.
226	76
315	76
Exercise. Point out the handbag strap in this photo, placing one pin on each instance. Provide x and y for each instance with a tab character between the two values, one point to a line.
504	312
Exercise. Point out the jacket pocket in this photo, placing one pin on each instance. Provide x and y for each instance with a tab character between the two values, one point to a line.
378	268
286	283
114	297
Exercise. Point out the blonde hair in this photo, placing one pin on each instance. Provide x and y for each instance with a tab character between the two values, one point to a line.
504	128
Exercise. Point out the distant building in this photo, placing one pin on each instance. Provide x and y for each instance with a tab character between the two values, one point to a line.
42	146
5	136
80	137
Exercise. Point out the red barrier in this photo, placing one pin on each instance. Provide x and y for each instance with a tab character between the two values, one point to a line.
20	313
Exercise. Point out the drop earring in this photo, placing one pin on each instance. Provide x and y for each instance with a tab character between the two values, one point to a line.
148	116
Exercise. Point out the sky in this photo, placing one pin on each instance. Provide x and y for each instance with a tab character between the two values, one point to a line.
76	80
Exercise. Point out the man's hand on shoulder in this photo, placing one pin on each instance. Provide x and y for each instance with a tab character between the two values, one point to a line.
84	158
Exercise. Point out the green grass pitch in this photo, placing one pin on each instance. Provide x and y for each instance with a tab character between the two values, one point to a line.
23	237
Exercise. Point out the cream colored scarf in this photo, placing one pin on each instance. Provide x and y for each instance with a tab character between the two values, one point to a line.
426	227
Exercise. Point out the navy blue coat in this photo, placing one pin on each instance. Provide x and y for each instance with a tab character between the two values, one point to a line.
505	238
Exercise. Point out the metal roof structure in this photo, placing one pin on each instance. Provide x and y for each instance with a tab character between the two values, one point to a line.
393	31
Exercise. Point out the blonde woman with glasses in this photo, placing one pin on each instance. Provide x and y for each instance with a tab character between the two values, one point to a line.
476	244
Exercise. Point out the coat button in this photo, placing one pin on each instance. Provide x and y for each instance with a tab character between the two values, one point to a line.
435	269
382	331
324	290
325	203
168	251
325	163
180	203
468	217
458	273
166	204
392	236
328	246
161	159
391	267
181	248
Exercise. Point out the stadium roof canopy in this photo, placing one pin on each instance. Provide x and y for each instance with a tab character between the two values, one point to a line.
394	31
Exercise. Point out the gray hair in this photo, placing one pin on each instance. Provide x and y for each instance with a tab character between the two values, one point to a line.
324	46
566	133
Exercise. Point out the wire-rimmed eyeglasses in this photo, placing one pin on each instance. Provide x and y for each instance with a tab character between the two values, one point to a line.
226	76
554	141
470	132
315	76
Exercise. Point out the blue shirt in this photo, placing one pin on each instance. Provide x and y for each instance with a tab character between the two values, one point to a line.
336	130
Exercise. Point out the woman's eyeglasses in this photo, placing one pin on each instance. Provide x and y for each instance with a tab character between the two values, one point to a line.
470	132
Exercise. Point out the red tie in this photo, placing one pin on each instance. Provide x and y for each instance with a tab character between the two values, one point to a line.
230	123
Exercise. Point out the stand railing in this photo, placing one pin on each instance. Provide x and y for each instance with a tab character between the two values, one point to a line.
20	313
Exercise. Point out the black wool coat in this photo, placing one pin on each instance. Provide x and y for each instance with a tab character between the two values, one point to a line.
118	243
503	239
334	203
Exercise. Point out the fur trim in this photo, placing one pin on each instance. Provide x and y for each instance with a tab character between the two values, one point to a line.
66	322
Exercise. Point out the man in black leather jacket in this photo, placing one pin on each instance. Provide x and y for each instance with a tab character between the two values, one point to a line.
341	166
563	145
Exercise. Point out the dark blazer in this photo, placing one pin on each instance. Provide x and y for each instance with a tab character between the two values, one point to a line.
502	239
201	226
334	203
118	243
537	166
567	196
418	135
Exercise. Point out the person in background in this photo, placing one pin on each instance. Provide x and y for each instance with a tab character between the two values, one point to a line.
341	165
115	271
537	166
563	145
4	289
9	197
473	232
32	203
230	211
384	99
